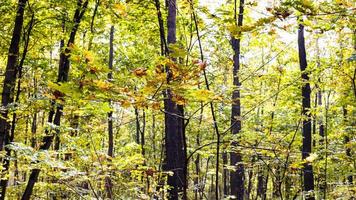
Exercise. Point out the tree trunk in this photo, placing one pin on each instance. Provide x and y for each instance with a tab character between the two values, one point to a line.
9	86
137	119
63	71
237	176
56	137
308	184
174	122
348	149
11	72
142	142
108	183
262	179
319	121
212	110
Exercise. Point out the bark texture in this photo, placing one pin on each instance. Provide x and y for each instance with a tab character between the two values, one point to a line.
308	177
174	122
9	84
237	176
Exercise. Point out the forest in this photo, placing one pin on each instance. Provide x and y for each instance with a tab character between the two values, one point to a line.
178	99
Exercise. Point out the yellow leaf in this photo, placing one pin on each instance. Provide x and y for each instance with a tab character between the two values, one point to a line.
103	85
203	95
121	9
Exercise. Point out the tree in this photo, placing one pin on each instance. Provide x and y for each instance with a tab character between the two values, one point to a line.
308	176
236	176
174	121
195	99
9	84
56	110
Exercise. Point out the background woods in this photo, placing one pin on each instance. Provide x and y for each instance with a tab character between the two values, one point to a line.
177	99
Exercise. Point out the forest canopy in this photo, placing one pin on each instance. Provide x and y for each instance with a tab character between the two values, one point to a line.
178	99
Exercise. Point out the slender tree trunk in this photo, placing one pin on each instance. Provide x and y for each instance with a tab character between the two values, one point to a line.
108	183
9	87
142	142
61	45
308	184
250	179
225	173
346	142
10	139
11	72
212	110
197	180
319	121
63	72
197	173
137	116
164	46
153	136
262	180
164	51
237	176
276	179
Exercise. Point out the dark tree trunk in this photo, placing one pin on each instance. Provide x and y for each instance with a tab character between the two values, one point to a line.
348	149
237	176
56	137
142	142
11	72
63	71
174	123
137	116
108	183
10	139
197	172
9	88
250	180
225	174
262	180
164	47
308	184
110	120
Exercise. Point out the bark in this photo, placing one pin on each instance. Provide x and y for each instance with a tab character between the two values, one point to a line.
174	123
308	181
9	88
250	180
110	120
348	149
164	47
56	110
153	136
17	99
225	174
108	183
142	142
11	72
262	181
197	173
137	138
56	137
237	176
164	51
